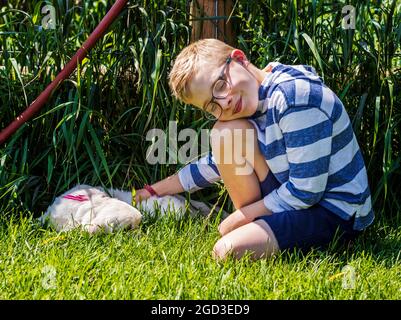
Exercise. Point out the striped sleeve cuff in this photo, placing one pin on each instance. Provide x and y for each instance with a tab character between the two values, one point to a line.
185	177
200	174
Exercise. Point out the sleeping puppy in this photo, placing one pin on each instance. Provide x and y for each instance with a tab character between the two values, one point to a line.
92	209
95	210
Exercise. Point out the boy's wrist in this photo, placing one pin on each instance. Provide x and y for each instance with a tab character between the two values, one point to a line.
151	190
168	186
255	210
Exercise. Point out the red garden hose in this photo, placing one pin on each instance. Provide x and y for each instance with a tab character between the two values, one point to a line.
38	103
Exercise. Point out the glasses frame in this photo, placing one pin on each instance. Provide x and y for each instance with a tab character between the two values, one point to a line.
222	77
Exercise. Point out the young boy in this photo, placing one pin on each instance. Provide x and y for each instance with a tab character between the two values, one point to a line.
307	183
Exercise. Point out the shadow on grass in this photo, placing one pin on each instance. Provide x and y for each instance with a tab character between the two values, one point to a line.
381	241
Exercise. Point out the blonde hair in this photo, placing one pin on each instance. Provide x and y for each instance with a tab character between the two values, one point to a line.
212	51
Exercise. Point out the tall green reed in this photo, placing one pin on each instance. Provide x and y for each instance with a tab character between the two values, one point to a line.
93	128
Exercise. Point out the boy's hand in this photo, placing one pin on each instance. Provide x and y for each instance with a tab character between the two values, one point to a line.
142	194
233	221
168	186
243	216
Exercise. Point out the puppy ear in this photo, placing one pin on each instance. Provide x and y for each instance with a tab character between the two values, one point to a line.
239	56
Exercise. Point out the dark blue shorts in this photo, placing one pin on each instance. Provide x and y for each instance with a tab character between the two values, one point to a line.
315	227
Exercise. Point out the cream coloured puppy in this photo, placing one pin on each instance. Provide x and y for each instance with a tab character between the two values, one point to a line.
95	210
92	209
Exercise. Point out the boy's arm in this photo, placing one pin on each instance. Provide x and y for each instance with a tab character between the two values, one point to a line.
201	174
192	177
243	216
308	139
168	186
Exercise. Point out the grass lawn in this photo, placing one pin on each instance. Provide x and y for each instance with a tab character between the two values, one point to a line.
170	259
94	126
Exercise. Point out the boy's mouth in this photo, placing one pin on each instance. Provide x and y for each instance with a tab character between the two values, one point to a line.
238	106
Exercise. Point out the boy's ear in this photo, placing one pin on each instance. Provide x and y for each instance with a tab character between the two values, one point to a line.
239	55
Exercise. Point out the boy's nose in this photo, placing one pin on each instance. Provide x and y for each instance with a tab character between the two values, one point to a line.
225	103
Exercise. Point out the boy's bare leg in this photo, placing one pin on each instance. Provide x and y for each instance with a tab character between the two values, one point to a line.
256	237
244	189
232	154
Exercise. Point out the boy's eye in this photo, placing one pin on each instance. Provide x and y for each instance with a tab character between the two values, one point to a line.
220	85
221	88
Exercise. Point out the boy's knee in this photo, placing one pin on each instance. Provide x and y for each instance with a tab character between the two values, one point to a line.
222	249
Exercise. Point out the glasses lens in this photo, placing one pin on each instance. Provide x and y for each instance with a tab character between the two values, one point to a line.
221	89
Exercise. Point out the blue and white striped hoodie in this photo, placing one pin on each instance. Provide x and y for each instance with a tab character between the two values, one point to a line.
307	139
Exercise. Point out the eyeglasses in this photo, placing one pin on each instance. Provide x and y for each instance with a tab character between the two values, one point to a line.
221	89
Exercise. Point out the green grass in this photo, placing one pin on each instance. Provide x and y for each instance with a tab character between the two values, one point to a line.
170	259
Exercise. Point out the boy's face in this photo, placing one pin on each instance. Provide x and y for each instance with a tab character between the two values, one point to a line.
241	95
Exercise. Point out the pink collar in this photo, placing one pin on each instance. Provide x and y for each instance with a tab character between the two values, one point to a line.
78	197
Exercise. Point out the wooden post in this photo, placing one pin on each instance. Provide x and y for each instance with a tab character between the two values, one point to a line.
210	19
